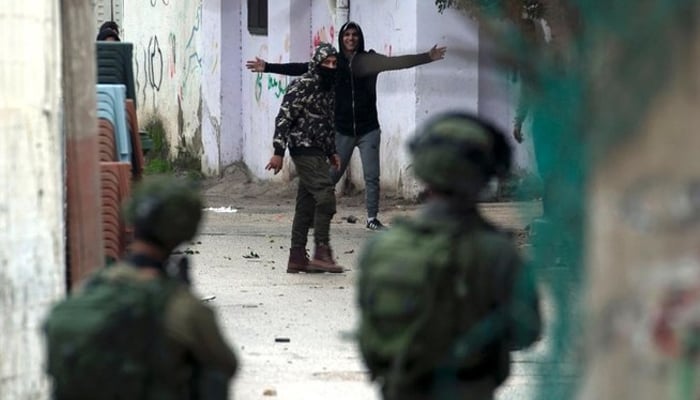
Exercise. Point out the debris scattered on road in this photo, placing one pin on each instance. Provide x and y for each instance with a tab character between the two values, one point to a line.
208	298
270	392
351	219
282	340
350	251
227	210
252	255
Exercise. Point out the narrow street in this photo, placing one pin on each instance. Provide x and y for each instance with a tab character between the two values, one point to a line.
294	333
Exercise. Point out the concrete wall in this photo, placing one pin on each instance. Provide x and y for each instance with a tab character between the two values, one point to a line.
32	258
288	39
170	67
231	133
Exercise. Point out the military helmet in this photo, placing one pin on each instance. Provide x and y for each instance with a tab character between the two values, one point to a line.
458	153
165	211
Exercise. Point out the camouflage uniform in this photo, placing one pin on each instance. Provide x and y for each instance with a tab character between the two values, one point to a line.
305	125
194	340
455	155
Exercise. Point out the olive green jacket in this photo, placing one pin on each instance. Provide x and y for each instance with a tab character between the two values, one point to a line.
194	336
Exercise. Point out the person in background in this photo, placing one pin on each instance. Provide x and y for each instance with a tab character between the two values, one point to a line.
305	125
356	120
109	31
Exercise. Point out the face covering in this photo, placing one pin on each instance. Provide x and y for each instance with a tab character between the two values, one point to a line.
327	77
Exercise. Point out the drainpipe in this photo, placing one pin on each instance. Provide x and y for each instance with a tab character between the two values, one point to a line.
342	12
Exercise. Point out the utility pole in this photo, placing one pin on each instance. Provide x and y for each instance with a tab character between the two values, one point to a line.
84	223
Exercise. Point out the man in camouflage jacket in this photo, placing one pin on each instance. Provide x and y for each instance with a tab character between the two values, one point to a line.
305	125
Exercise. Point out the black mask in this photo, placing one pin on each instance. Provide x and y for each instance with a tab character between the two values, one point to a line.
328	76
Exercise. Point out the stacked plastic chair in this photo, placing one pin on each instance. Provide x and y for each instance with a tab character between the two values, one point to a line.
121	163
111	106
115	66
107	144
115	179
121	151
111	199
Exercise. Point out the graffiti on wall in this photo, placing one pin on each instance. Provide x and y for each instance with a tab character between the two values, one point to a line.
150	69
193	60
172	61
324	35
137	76
157	61
153	64
276	85
388	49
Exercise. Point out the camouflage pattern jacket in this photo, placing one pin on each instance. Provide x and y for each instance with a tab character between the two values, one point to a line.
305	122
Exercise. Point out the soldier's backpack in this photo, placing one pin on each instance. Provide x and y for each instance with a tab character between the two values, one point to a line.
107	341
416	302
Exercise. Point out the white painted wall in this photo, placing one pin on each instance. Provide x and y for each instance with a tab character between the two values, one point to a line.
288	40
109	10
211	54
171	64
32	258
231	133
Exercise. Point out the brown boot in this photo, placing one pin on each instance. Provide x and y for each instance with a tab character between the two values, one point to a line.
298	260
323	260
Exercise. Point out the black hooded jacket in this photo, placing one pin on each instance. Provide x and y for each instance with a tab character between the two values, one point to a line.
356	89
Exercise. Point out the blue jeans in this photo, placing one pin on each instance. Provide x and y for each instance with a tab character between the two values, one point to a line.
369	155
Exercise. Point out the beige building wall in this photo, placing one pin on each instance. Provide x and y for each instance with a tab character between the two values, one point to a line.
31	200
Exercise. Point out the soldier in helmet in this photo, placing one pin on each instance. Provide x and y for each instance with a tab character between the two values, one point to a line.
445	297
133	331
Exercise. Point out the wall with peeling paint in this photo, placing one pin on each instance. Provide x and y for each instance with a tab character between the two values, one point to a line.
32	255
210	39
170	65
